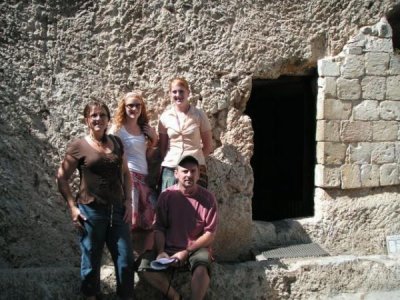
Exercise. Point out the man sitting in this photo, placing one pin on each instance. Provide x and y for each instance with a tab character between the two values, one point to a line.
186	221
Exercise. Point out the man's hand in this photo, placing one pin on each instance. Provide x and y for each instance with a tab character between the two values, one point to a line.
181	257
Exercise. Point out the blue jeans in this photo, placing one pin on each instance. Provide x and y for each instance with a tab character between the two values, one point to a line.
167	178
105	225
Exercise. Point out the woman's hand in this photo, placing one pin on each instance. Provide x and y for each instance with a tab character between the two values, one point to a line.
77	218
151	133
128	212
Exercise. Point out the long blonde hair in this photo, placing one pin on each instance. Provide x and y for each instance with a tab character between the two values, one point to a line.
120	113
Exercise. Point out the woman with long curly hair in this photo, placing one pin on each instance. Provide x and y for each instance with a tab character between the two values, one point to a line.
130	123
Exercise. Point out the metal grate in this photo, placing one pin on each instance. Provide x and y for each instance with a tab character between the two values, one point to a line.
302	250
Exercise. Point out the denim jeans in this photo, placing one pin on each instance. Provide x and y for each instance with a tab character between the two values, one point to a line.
105	225
167	178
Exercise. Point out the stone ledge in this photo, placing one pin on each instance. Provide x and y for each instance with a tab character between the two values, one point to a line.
308	278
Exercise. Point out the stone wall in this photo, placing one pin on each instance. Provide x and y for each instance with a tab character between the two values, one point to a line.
358	113
55	55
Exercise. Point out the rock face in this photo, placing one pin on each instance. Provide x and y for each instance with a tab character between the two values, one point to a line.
55	55
342	277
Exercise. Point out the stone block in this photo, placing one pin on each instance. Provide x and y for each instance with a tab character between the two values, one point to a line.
366	110
397	152
376	63
383	153
328	67
393	88
373	87
357	40
331	153
389	110
327	177
353	50
333	109
369	175
352	66
359	153
389	174
350	176
394	65
327	86
385	130
355	131
376	44
328	131
320	105
348	89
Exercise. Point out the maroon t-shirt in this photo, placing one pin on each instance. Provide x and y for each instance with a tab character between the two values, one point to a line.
183	219
100	173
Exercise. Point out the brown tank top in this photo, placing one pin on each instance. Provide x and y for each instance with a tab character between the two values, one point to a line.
100	173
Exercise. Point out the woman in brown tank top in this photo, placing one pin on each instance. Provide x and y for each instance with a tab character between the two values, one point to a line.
101	209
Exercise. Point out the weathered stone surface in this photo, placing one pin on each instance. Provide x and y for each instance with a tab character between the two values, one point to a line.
355	131
350	176
352	66
394	65
385	130
383	153
327	87
393	88
389	174
376	63
397	152
328	131
232	180
390	110
359	153
307	278
373	87
353	50
367	215
348	89
329	153
382	29
333	109
328	67
367	110
327	177
369	175
375	44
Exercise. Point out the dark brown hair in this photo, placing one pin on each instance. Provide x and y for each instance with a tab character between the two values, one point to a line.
101	105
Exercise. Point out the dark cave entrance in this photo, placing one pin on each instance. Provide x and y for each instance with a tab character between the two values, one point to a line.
393	18
283	113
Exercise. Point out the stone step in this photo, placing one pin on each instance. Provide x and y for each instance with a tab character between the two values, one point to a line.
339	277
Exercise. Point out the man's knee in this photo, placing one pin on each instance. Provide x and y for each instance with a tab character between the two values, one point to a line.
200	272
